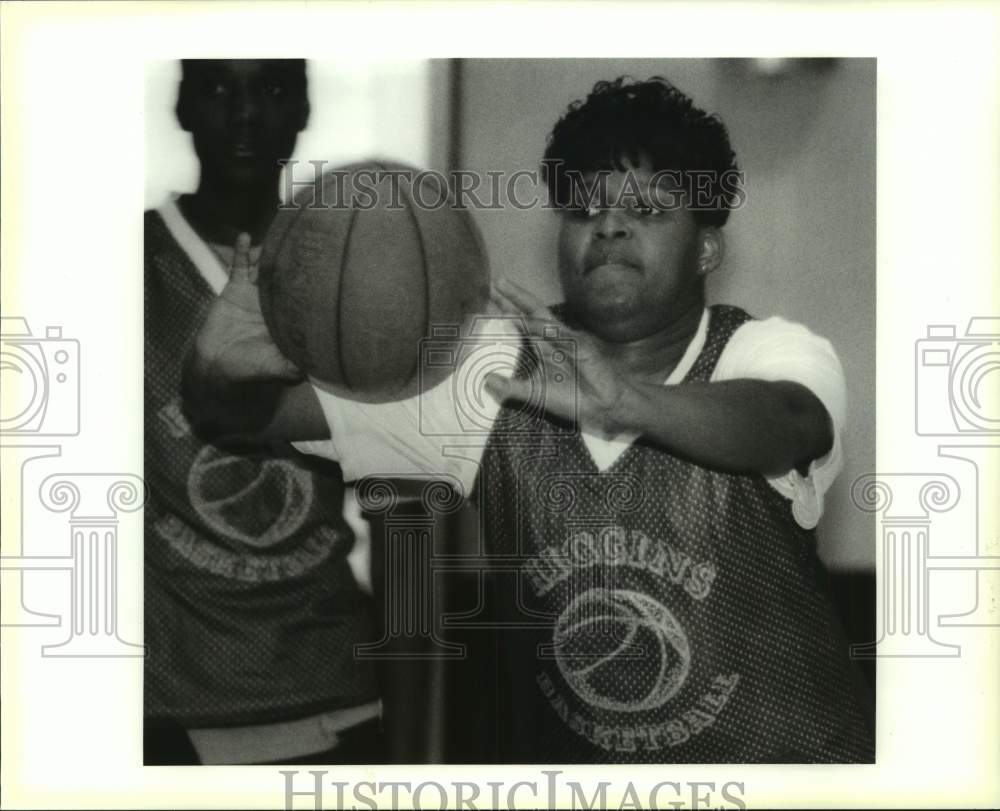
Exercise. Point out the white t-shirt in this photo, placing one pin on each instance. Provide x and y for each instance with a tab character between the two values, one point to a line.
443	431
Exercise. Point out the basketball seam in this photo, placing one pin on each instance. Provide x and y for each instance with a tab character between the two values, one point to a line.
427	280
268	280
340	298
480	244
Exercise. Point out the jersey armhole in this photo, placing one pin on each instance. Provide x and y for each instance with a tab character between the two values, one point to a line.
806	493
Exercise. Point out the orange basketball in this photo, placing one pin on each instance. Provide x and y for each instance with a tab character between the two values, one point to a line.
367	263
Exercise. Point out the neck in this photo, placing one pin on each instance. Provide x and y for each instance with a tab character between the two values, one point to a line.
220	213
653	357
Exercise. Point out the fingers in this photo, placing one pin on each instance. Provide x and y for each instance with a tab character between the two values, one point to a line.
268	363
534	318
502	388
240	271
284	369
511	296
289	372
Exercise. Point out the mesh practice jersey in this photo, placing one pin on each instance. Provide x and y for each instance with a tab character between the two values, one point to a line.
659	611
251	609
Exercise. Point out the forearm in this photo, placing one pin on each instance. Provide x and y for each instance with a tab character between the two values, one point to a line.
224	408
734	425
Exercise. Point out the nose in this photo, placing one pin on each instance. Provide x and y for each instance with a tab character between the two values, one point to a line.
246	106
611	224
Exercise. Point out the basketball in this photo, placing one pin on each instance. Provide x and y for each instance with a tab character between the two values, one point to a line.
367	263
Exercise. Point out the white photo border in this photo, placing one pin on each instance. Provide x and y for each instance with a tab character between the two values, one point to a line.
72	198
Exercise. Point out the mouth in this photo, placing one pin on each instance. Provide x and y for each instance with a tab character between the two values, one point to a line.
609	264
243	149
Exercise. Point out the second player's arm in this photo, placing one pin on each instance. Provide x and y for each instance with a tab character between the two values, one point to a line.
767	427
741	424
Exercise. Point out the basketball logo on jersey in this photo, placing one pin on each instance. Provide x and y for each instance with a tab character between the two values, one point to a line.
255	502
623	659
604	633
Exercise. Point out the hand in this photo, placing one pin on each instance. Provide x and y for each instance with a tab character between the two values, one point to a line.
233	345
588	392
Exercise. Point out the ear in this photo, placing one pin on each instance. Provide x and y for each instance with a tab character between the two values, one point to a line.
711	249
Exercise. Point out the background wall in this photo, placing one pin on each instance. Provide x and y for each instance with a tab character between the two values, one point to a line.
358	109
803	247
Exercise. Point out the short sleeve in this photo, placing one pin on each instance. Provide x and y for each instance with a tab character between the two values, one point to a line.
776	349
439	433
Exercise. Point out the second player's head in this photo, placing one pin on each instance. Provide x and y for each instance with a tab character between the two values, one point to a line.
643	181
244	116
623	123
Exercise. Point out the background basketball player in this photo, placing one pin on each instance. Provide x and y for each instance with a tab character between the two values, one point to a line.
251	610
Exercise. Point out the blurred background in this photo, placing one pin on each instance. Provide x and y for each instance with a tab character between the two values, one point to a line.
357	109
802	247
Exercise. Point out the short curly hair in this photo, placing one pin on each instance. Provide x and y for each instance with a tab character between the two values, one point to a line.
627	120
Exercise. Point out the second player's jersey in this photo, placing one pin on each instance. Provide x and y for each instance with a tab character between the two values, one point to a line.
658	611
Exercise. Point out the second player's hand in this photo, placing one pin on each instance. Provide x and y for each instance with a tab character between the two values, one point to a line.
234	345
583	387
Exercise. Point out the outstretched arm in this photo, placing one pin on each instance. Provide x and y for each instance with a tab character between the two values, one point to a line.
236	383
767	427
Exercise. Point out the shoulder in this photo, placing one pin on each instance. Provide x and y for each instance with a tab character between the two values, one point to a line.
773	342
154	228
152	218
779	349
775	349
728	315
162	255
773	327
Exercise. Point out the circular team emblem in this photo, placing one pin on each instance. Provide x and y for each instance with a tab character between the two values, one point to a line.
621	650
254	502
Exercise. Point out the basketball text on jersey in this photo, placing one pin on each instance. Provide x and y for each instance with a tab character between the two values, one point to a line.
252	554
634	737
209	556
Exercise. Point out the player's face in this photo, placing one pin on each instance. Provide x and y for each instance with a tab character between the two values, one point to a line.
244	116
629	267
